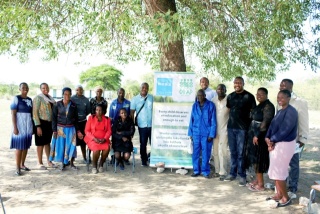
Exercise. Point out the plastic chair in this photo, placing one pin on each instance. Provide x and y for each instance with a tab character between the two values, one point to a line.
4	211
312	198
134	151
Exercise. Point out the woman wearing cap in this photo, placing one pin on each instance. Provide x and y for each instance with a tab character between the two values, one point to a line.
65	128
98	100
98	132
42	117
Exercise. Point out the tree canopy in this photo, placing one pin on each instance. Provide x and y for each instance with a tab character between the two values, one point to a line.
229	37
105	76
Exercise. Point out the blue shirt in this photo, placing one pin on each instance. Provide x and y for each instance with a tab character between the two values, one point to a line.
115	107
145	115
283	127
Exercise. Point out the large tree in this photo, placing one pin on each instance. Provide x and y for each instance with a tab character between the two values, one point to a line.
230	37
105	76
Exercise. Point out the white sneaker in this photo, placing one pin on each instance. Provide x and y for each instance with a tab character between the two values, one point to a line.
292	195
101	169
94	170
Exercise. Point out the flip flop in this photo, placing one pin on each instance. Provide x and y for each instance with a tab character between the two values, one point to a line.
25	168
272	198
255	189
17	173
284	204
52	165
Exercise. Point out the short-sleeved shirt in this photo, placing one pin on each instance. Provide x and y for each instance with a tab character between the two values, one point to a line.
240	105
145	115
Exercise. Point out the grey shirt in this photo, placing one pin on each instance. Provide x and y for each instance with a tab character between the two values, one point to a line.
83	106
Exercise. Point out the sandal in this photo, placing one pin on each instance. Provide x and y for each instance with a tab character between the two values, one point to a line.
25	168
284	204
42	167
255	188
62	167
18	173
73	167
51	165
272	198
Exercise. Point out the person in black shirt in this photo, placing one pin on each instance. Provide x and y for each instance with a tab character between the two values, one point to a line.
240	103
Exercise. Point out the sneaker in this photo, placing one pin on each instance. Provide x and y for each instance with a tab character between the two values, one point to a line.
229	178
292	195
101	169
94	171
222	177
206	176
242	182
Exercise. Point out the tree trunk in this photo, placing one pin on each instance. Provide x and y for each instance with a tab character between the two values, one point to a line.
172	53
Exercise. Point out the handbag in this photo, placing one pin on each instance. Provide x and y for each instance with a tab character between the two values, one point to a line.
136	118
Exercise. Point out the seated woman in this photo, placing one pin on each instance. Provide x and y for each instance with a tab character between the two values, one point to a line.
122	132
97	134
281	141
65	128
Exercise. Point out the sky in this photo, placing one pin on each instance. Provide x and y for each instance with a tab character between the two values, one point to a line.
70	67
67	66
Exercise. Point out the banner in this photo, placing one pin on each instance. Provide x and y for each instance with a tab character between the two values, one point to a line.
174	94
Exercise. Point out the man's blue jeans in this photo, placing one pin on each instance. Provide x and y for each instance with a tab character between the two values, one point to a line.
236	141
145	135
294	173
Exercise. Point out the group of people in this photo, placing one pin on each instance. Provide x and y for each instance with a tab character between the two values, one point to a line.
259	136
60	126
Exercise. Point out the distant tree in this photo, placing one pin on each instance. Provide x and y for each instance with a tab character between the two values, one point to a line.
106	76
132	88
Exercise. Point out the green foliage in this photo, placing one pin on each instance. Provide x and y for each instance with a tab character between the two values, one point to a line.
104	75
132	88
231	37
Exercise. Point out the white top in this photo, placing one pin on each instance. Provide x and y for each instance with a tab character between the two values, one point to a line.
222	114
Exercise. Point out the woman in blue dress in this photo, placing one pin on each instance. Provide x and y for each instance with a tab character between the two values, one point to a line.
21	110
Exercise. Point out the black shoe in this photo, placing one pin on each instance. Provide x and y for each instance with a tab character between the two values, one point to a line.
126	162
206	176
144	164
194	175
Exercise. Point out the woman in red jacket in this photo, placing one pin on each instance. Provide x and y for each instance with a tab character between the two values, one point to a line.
98	132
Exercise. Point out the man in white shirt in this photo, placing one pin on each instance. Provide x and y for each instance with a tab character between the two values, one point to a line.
220	143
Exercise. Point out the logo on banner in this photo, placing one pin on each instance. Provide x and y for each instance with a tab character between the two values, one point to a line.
164	86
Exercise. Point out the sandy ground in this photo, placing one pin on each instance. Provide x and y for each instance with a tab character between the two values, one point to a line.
144	191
